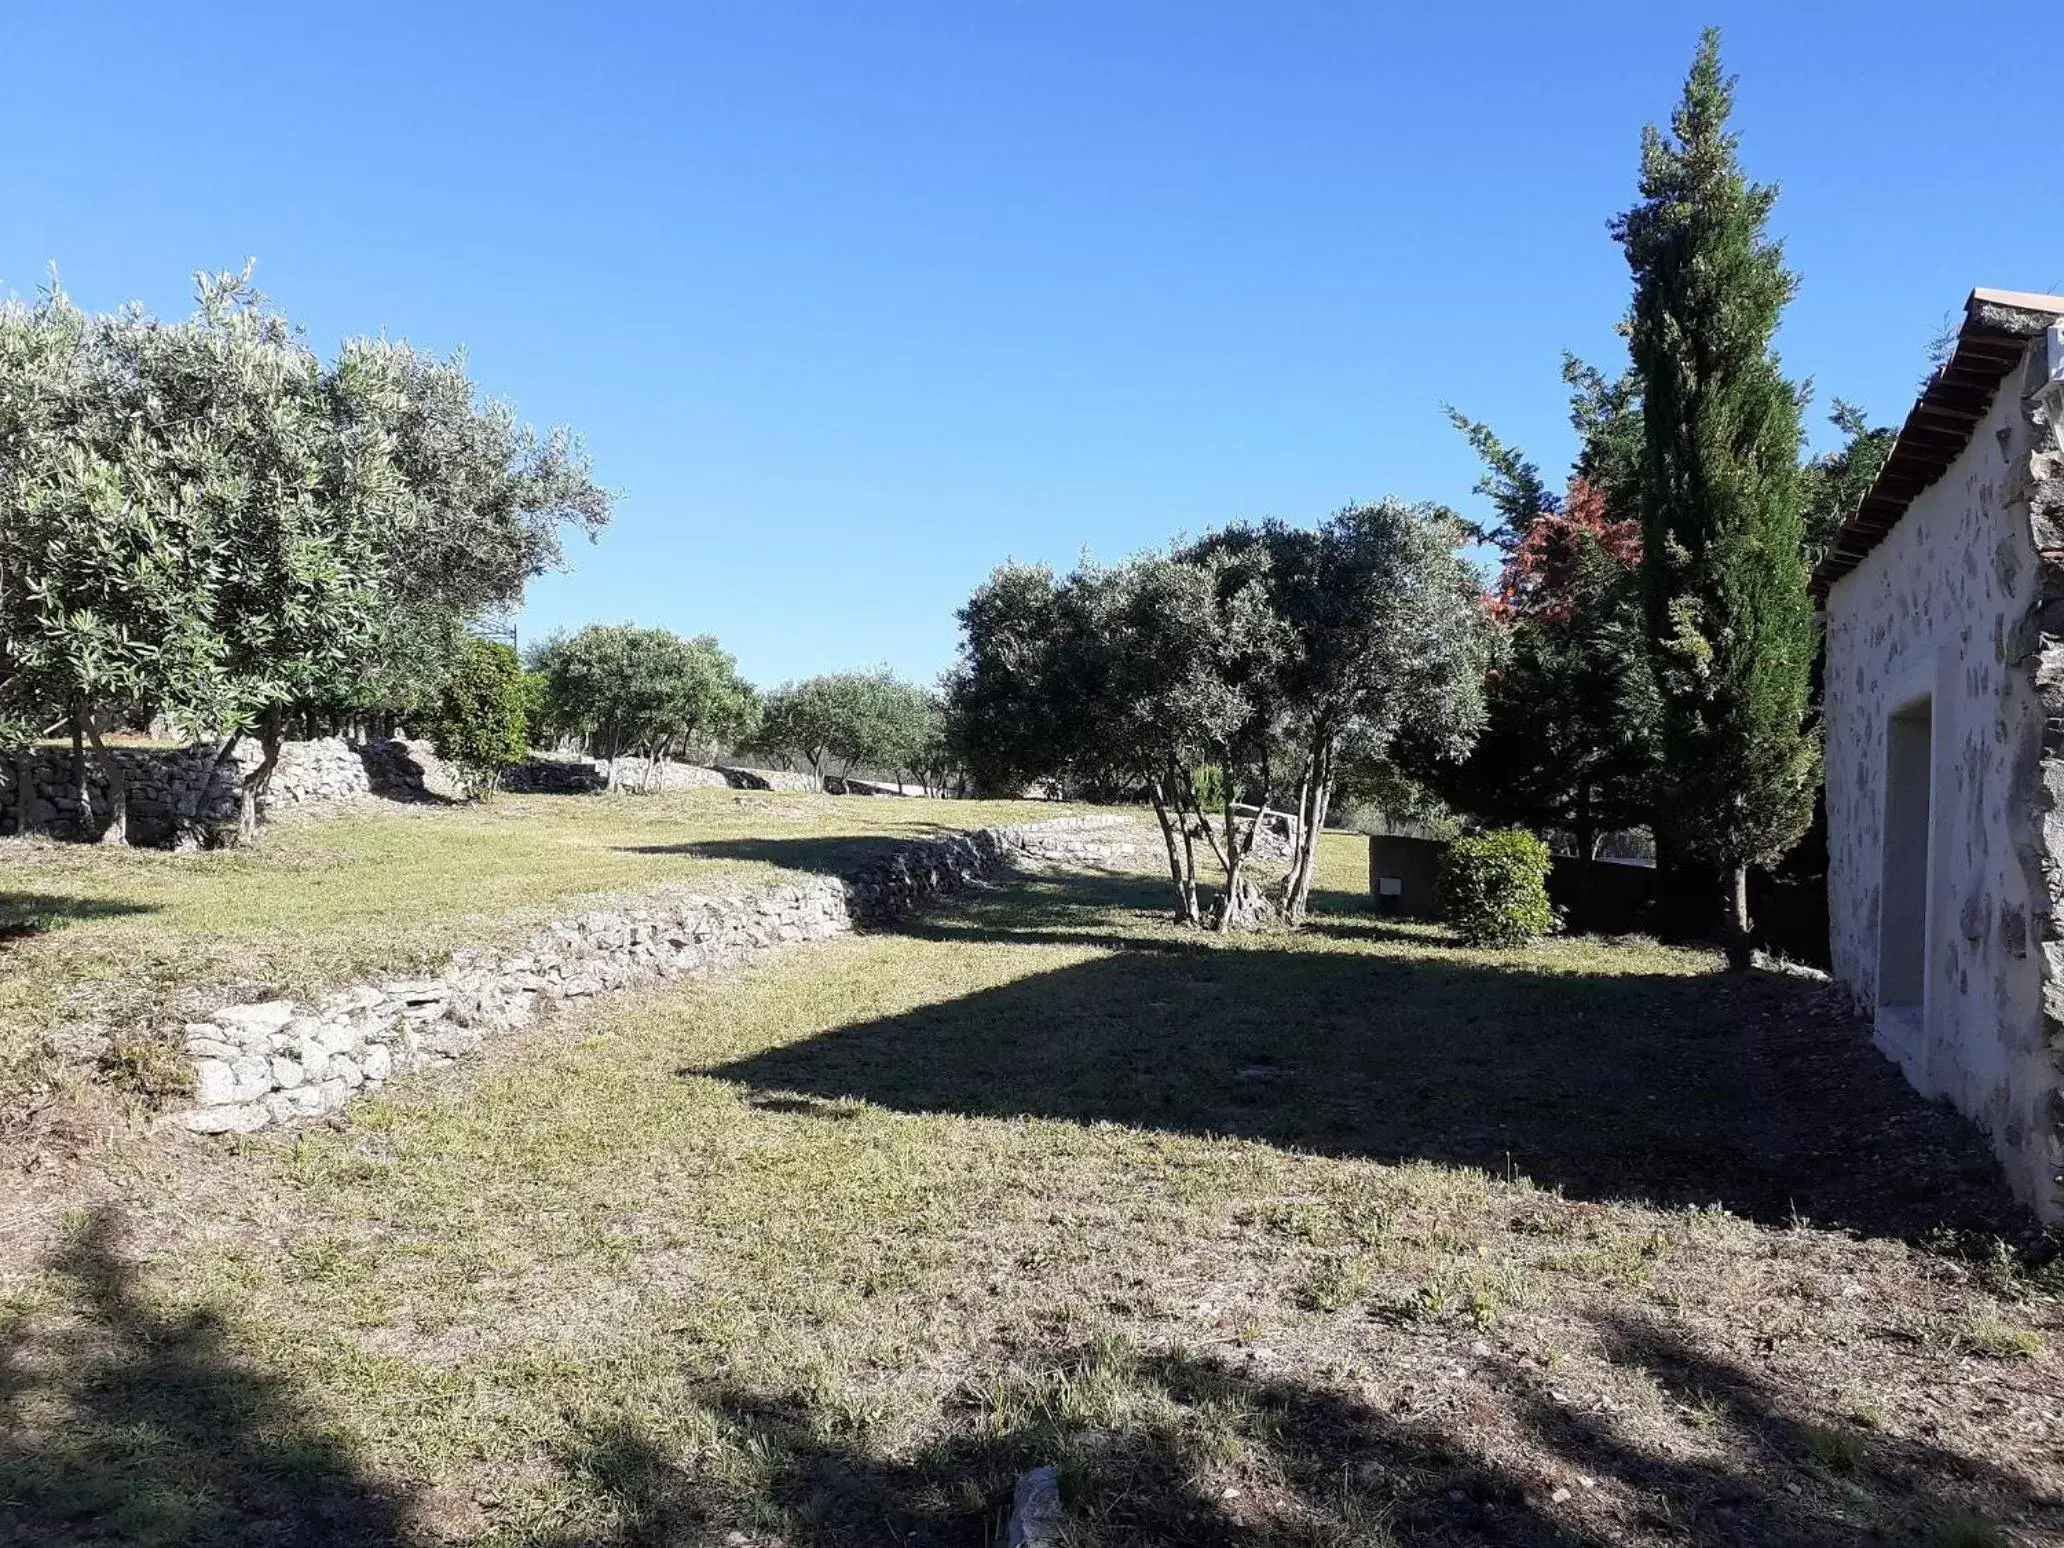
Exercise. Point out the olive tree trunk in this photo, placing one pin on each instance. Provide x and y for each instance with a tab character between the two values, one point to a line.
271	733
1314	801
1182	854
117	830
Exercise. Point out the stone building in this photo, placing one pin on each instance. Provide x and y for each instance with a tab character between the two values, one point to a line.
1944	606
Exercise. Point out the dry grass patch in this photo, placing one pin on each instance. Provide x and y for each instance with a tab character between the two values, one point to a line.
1352	1237
96	942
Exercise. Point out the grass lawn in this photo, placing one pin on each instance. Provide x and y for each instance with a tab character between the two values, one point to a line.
108	937
1348	1238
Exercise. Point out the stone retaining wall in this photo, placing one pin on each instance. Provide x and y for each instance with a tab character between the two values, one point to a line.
638	774
563	775
173	791
770	779
277	1061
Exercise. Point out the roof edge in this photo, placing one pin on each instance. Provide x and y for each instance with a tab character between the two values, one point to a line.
1992	341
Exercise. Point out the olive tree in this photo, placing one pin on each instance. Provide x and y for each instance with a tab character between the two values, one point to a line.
180	536
853	720
202	519
1383	628
1222	675
622	688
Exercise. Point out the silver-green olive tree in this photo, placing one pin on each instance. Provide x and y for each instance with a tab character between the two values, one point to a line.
135	577
1192	651
296	489
625	689
1384	629
1225	676
851	721
201	519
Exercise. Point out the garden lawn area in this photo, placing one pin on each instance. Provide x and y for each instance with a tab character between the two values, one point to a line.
1351	1237
108	937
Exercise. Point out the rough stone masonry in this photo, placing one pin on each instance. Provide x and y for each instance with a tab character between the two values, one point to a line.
277	1061
174	792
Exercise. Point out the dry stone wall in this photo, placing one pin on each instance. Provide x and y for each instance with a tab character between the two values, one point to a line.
279	1061
562	775
769	779
175	792
640	774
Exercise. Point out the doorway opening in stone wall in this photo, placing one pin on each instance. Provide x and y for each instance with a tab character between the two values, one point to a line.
1903	884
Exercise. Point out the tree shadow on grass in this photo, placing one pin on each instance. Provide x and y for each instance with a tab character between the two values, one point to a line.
1170	1447
121	1422
27	914
828	855
1749	1091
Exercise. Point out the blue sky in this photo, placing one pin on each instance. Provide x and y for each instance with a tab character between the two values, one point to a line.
853	302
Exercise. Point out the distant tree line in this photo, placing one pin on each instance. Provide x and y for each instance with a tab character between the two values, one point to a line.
618	690
204	522
852	721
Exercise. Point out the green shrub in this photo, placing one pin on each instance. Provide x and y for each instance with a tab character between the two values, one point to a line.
477	723
1494	888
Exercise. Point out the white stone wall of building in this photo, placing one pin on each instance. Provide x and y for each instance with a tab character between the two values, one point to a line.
1947	606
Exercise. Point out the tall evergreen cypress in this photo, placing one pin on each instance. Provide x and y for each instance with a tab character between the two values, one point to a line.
1730	626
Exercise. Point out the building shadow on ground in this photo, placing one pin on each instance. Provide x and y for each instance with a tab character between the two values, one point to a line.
124	1423
1756	1091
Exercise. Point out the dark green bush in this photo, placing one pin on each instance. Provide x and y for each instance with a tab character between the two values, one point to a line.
1494	888
477	722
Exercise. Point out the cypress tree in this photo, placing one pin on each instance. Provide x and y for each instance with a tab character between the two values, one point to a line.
1730	626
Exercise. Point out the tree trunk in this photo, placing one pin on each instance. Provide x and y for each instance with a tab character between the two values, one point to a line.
271	733
1736	903
1584	839
1235	859
1182	869
1293	912
1313	799
186	818
117	830
1312	825
24	788
81	791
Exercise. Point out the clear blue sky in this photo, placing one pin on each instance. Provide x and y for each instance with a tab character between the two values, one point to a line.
854	301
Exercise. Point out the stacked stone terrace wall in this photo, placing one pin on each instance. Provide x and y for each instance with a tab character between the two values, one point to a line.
172	790
770	779
279	1061
559	774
